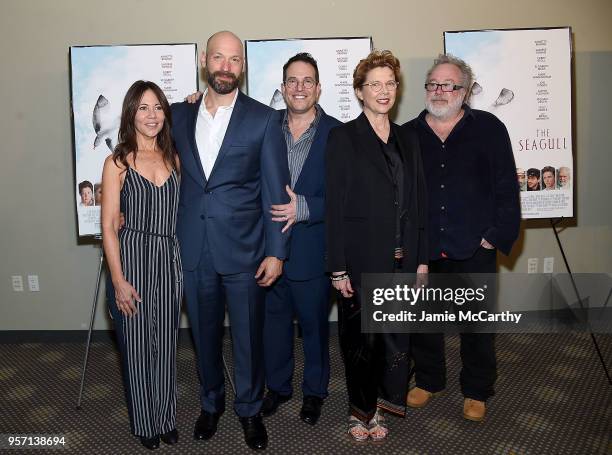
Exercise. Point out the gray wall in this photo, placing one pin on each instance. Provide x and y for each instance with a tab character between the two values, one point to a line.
38	228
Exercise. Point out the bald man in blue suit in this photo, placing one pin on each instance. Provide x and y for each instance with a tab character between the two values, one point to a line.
233	169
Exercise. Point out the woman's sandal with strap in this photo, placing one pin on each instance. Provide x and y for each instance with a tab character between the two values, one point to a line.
378	427
358	429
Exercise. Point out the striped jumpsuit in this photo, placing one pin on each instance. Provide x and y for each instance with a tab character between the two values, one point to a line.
150	261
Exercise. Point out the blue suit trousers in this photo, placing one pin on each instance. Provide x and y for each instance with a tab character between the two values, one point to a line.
309	302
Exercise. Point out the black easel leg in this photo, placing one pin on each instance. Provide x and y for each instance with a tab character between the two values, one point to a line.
91	322
553	225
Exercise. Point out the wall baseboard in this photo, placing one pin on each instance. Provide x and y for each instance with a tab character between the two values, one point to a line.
80	336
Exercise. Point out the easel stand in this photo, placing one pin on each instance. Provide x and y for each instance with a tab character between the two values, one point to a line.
91	323
553	225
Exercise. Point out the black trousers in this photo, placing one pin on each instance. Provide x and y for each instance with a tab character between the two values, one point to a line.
479	365
377	365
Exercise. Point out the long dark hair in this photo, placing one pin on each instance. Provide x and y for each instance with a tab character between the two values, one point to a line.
127	132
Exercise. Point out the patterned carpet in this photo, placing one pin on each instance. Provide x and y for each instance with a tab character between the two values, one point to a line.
552	398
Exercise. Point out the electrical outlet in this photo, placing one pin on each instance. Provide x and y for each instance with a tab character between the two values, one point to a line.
548	265
532	265
33	283
17	281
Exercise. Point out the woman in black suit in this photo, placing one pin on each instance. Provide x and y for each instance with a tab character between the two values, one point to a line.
375	222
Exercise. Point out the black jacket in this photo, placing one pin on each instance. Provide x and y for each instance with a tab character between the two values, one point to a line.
473	192
360	210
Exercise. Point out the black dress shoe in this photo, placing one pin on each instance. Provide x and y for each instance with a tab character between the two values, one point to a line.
150	443
311	409
169	438
272	401
255	434
206	425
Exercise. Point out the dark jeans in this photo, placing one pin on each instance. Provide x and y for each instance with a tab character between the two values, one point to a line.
377	365
479	366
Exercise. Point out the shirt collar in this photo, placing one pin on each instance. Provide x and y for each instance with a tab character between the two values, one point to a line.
229	108
313	124
390	140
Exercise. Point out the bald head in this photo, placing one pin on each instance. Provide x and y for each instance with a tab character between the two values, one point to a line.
224	38
223	61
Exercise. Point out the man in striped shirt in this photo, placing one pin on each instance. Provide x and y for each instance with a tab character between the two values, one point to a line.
303	289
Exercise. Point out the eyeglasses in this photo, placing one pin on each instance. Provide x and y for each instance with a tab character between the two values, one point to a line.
446	87
377	86
307	83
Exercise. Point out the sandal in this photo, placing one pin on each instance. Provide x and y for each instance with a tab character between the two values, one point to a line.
357	429
378	427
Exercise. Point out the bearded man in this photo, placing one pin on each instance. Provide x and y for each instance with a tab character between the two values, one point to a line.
474	210
233	169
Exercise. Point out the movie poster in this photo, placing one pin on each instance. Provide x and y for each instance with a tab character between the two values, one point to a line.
100	77
336	59
524	78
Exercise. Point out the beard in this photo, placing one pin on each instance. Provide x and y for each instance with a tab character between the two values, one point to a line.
222	87
444	111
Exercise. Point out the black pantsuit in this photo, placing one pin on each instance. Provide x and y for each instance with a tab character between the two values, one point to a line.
361	232
376	365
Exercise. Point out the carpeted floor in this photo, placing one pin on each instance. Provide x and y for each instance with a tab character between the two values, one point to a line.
552	398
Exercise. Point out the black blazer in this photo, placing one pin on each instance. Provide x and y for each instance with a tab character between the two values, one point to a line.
360	211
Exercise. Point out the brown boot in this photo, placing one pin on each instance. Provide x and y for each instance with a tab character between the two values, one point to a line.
474	410
418	398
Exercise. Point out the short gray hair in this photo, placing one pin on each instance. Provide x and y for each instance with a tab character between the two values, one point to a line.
466	71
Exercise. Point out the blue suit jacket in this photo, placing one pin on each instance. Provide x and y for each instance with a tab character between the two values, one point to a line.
231	208
307	259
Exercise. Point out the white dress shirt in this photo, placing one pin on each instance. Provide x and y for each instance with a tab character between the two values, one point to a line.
210	131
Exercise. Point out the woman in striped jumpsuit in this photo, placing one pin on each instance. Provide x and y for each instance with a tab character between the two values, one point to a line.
141	180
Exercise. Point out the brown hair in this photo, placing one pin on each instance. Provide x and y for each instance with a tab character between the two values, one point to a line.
376	59
304	57
85	184
127	132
